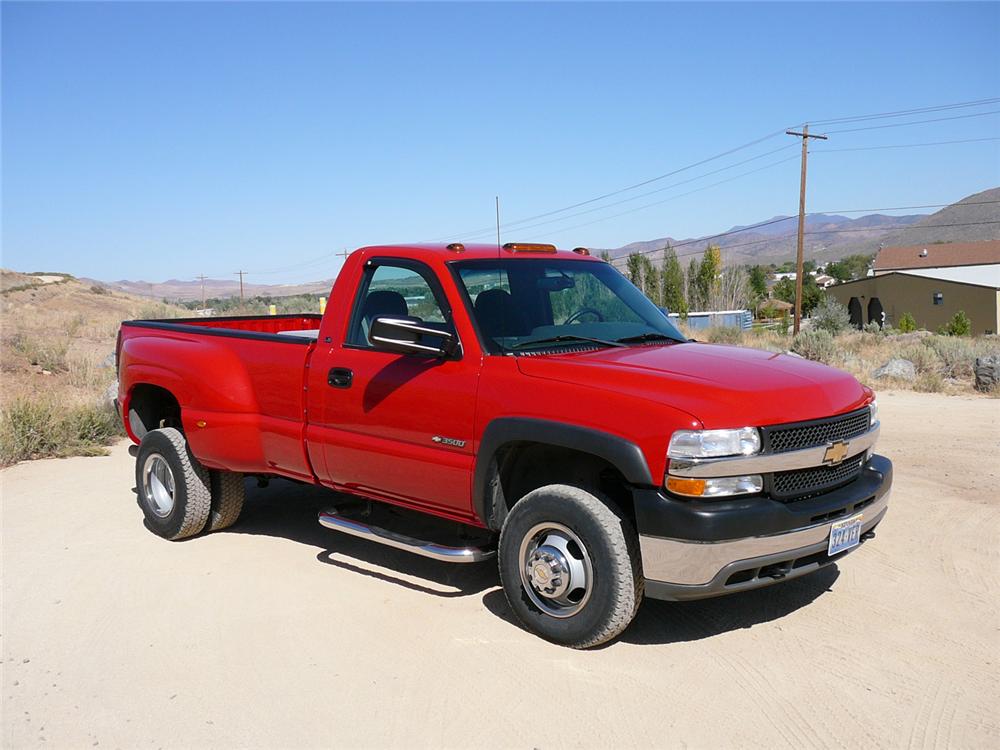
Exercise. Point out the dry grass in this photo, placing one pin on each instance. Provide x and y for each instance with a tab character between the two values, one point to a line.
55	343
944	363
36	428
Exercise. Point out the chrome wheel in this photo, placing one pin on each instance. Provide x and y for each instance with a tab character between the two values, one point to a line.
158	485
556	571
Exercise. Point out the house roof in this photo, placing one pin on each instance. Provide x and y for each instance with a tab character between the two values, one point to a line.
913	275
776	304
938	256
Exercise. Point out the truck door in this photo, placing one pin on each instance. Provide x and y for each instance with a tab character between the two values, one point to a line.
393	426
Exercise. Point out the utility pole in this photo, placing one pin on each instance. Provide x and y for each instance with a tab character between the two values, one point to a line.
240	274
203	304
805	136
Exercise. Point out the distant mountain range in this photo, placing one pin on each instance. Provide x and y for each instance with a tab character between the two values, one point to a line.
830	236
189	291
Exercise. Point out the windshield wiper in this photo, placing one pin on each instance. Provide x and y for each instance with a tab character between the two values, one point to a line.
566	337
648	336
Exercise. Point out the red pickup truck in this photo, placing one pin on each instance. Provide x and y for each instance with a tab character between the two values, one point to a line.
537	407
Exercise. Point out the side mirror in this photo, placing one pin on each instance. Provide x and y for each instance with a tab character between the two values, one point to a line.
403	336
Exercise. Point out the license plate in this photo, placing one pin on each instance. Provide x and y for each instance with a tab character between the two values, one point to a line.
845	534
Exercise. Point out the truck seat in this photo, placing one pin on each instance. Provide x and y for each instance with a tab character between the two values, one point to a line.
499	316
384	302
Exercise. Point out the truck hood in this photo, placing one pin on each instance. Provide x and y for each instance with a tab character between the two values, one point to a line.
721	386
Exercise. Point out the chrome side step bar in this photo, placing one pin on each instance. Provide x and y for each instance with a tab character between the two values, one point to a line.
332	520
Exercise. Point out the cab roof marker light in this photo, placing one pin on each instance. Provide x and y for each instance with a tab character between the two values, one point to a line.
456	247
581	251
529	247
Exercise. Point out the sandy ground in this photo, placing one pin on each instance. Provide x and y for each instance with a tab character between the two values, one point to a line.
279	633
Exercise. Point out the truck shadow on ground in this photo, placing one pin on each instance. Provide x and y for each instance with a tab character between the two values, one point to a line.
288	511
662	623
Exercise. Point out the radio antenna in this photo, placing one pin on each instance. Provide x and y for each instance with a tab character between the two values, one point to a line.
498	224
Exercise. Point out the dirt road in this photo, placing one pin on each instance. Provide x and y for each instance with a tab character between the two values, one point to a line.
279	633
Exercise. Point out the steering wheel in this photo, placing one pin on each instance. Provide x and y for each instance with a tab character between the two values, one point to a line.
584	311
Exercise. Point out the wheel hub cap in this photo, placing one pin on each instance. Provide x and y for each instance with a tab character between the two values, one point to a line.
556	570
158	485
549	572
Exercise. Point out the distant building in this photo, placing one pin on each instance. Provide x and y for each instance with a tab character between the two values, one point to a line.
716	318
823	281
931	283
975	262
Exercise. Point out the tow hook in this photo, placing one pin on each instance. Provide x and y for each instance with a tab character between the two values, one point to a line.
867	535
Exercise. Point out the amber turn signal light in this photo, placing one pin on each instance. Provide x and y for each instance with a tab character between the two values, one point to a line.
684	486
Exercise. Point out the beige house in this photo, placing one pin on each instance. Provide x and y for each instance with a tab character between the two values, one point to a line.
931	283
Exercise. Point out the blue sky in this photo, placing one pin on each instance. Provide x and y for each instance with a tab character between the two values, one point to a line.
155	141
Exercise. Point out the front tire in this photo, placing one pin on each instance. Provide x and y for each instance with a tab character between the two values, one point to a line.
173	488
569	564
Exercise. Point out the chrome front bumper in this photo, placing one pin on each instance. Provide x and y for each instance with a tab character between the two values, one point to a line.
685	569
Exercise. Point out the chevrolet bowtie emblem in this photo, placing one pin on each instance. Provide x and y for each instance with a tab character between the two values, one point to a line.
835	453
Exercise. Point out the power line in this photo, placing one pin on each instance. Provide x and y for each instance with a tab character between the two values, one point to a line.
612	193
904	112
483	231
642	195
656	203
903	208
914	122
675	197
904	145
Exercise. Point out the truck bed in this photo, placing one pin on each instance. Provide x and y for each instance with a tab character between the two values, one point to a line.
299	325
239	382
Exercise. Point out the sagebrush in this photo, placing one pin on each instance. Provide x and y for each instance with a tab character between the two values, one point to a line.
40	428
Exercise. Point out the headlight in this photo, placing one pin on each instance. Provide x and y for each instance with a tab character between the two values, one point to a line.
873	408
743	441
750	484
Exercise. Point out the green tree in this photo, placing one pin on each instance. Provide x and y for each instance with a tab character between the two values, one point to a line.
694	301
633	268
673	283
850	268
907	323
708	272
811	293
650	279
959	325
606	256
758	282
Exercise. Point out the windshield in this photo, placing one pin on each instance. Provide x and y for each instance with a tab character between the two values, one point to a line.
531	305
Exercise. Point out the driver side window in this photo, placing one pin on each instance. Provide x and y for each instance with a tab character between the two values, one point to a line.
397	291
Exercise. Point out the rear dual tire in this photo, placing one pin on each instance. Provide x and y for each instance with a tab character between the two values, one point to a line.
178	496
570	566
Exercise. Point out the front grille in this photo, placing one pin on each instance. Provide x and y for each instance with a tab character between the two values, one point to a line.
793	437
797	485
